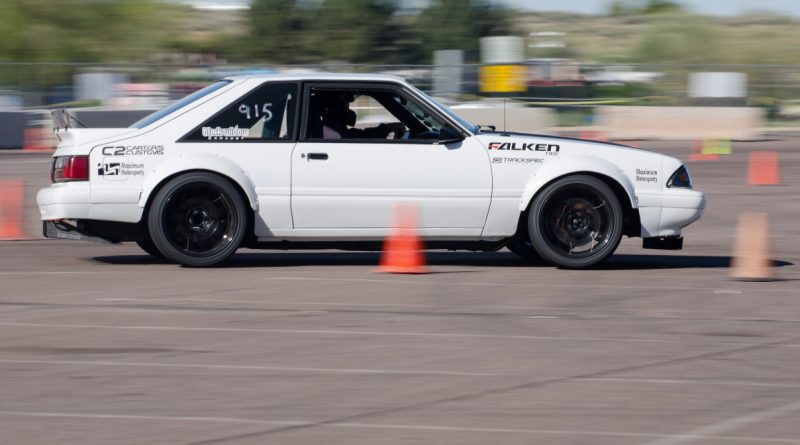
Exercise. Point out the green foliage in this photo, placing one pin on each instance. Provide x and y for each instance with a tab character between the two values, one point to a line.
353	30
678	40
458	24
621	8
79	30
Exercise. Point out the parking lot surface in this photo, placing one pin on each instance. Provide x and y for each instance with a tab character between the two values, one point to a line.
102	344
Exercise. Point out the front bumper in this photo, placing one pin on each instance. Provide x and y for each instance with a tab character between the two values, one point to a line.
679	208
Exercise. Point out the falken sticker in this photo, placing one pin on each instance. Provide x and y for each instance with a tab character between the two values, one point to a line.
520	146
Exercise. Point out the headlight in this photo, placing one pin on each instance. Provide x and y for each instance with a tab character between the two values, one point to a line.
680	179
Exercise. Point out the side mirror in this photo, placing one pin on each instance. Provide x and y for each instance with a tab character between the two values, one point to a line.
449	135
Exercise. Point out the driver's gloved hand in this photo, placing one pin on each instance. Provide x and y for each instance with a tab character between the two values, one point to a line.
396	128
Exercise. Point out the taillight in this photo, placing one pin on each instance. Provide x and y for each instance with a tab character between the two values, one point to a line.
70	168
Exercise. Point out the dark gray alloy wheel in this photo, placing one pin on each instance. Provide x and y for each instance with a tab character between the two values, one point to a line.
197	219
149	248
575	222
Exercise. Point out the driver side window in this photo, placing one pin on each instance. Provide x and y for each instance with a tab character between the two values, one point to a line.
367	114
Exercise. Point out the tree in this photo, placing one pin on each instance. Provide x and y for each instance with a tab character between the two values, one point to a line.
276	28
79	31
682	40
458	24
354	30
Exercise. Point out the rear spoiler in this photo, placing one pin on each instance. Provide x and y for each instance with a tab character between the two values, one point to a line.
62	120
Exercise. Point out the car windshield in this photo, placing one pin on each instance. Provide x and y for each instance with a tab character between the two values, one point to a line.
150	118
464	123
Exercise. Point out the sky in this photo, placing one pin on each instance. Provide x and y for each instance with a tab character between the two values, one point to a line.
712	7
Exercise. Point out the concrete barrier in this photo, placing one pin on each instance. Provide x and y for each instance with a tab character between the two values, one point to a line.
680	122
32	129
514	118
12	128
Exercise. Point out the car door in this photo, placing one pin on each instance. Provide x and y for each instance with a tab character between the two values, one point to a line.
349	187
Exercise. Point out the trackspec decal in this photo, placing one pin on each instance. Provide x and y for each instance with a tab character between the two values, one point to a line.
520	146
517	161
225	134
133	150
644	175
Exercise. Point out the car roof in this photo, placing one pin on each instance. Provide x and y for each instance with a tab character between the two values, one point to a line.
319	76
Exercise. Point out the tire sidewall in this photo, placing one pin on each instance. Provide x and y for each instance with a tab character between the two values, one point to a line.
156	214
538	238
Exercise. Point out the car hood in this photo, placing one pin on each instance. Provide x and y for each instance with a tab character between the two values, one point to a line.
645	169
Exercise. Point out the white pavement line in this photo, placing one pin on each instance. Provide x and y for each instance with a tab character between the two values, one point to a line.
321	303
142	417
245	367
45	272
489	283
727	291
690	382
335	332
384	426
38	161
727	425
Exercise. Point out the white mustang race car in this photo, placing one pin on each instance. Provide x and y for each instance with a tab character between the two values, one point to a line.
321	160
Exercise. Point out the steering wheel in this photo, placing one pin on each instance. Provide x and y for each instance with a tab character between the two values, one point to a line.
430	134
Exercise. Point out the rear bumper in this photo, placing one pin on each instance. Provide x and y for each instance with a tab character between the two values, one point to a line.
70	200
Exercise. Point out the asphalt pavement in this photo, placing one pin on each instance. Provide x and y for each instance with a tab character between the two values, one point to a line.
102	344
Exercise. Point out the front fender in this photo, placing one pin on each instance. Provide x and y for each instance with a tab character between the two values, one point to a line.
200	161
574	165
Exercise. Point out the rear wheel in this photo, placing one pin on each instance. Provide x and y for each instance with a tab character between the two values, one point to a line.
197	219
576	222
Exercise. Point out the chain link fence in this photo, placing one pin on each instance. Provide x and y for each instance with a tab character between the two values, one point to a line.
774	87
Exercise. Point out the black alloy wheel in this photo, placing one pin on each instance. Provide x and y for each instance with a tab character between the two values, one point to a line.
576	222
197	219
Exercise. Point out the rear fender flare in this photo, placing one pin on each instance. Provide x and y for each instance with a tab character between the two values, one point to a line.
208	162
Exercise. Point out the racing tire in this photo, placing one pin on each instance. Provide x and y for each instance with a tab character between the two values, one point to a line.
523	248
197	219
575	222
150	248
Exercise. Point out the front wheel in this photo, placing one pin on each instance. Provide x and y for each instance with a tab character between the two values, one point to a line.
576	222
197	219
149	248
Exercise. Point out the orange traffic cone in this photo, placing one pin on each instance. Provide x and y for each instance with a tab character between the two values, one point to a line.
38	139
11	210
402	249
751	254
699	153
762	168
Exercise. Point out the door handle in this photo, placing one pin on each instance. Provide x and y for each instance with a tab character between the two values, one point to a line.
318	156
